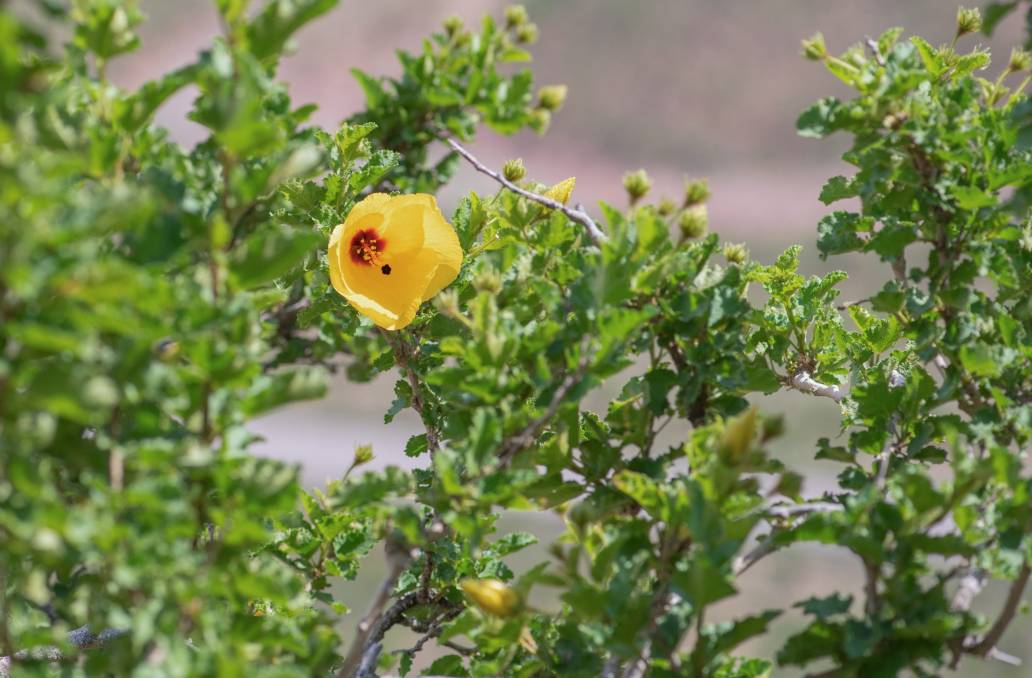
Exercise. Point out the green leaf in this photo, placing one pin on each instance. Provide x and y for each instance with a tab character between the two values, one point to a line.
821	119
512	542
416	445
448	665
379	164
838	188
278	21
829	606
837	232
271	253
929	55
374	92
135	110
971	198
271	391
643	490
980	359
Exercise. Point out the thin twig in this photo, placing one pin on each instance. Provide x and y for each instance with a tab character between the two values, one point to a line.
526	437
1010	607
970	586
81	638
878	58
767	546
365	634
575	214
403	355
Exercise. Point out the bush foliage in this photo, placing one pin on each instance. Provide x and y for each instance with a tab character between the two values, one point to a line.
154	299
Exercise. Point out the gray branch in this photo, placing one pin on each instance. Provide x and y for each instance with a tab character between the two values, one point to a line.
803	381
578	215
81	638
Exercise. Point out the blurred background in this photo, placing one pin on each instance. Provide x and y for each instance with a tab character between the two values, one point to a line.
703	88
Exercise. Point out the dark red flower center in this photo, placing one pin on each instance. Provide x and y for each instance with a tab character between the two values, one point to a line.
366	247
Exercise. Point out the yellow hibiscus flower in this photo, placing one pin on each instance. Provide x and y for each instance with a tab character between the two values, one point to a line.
391	254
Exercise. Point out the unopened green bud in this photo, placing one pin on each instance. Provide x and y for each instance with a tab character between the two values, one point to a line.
488	280
363	455
637	184
552	98
696	192
447	304
514	170
693	221
527	34
540	119
452	25
969	20
1020	60
814	48
515	15
666	207
735	253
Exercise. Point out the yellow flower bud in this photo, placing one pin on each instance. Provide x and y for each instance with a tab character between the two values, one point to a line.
666	207
514	170
515	15
527	34
693	222
562	191
969	20
696	191
637	184
814	48
738	436
735	254
492	596
552	98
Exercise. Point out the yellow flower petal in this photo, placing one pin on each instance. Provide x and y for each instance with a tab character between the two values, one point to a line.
391	254
562	191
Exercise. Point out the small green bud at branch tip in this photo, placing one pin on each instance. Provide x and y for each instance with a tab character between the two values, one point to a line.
814	48
514	170
969	20
637	184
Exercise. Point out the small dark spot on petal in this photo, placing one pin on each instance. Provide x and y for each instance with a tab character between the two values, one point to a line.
385	269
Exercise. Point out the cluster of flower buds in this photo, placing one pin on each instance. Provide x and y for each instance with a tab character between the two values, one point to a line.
516	19
694	218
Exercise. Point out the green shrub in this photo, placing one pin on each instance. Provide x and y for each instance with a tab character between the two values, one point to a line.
154	299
